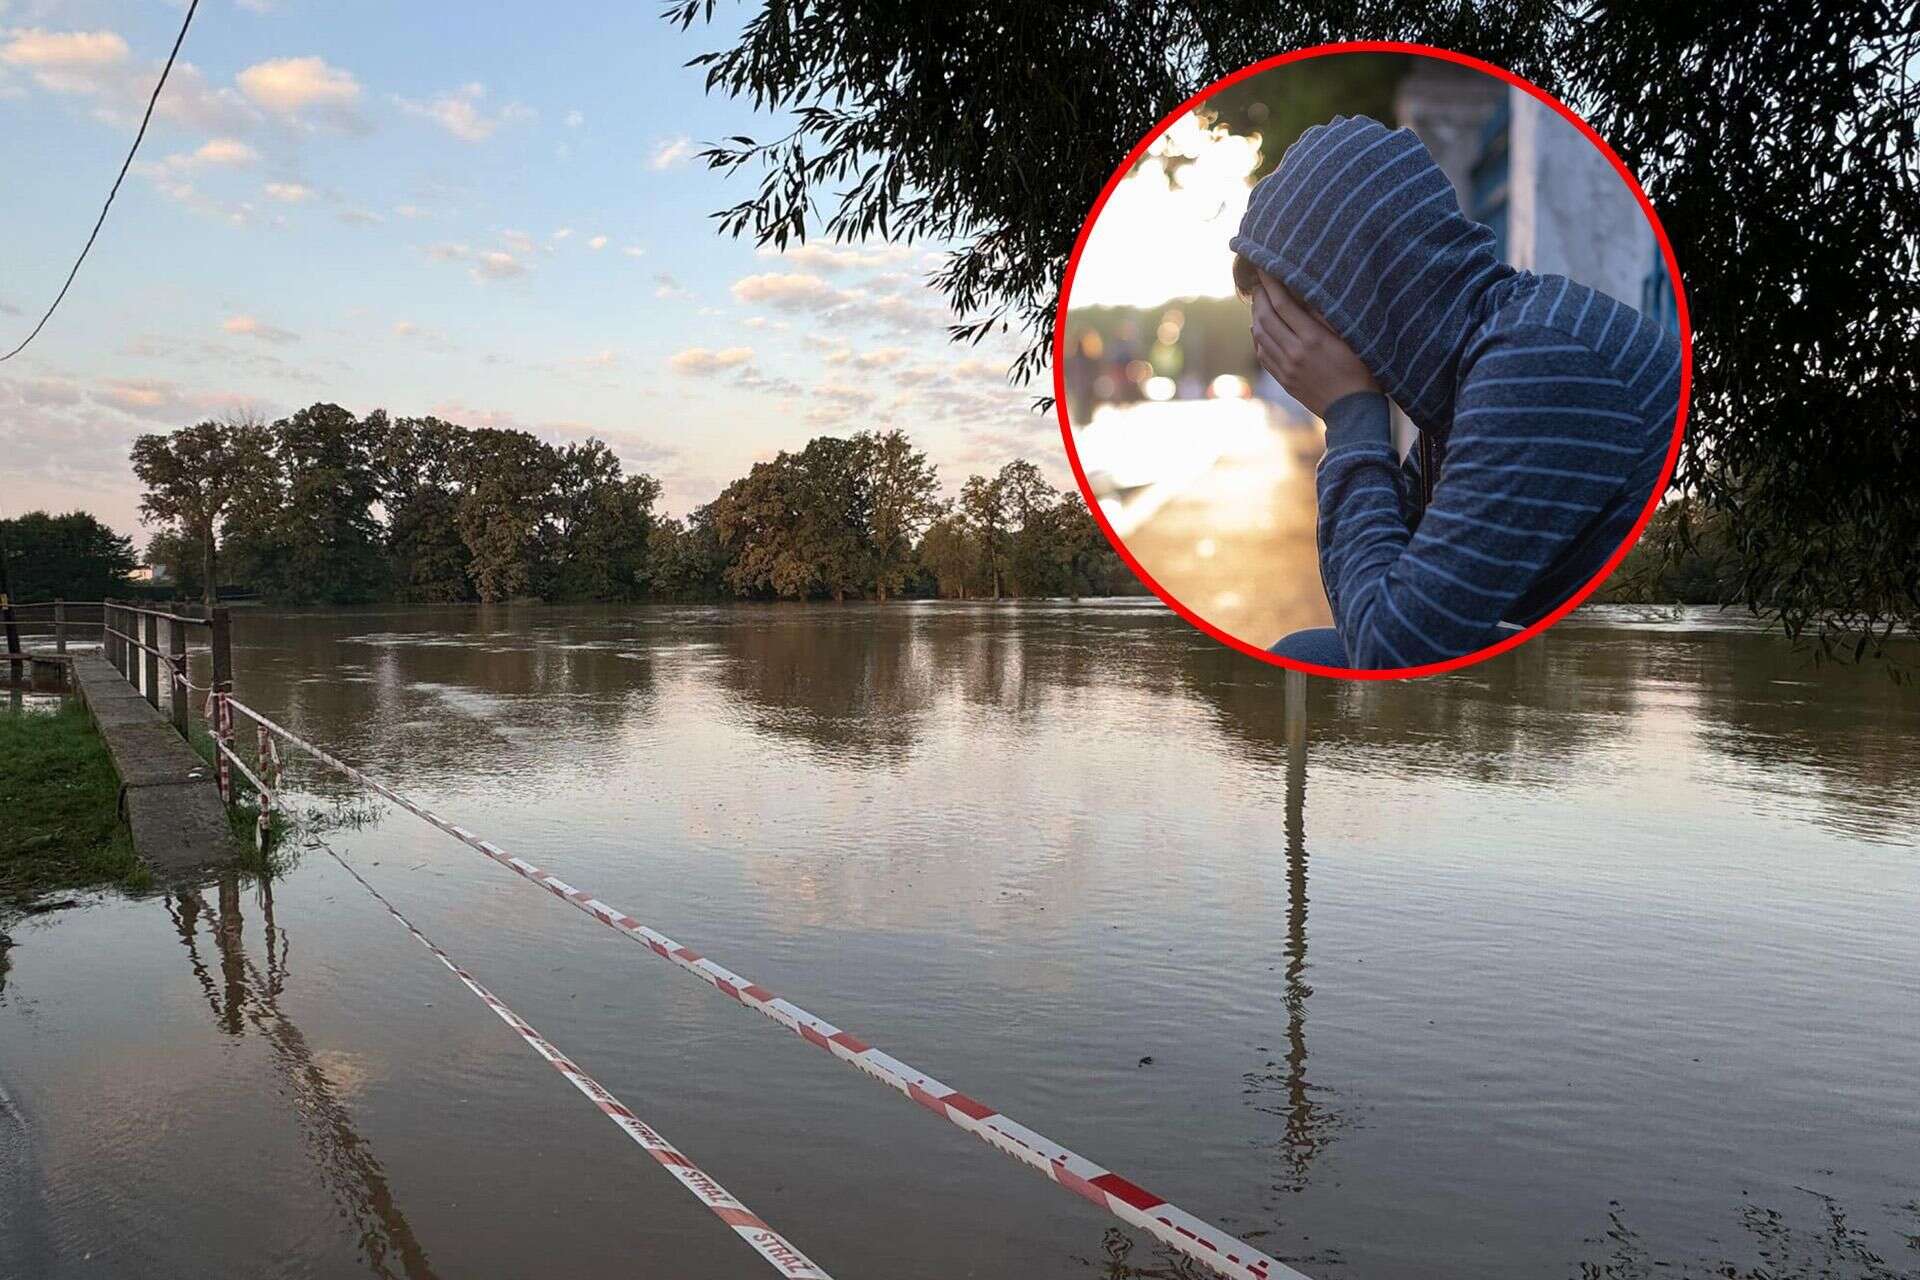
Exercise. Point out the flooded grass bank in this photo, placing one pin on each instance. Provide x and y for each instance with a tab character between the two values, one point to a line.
59	797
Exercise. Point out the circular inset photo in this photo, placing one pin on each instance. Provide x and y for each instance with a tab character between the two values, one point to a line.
1372	360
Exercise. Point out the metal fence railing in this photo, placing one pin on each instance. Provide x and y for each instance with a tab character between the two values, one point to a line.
61	620
147	644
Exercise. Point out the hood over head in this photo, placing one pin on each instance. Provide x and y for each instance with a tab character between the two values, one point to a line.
1361	224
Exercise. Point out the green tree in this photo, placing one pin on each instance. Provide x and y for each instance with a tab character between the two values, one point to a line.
1683	557
193	477
1033	564
1087	563
685	560
834	514
69	557
902	496
601	524
507	485
1776	138
326	542
175	552
983	515
797	526
950	552
417	465
754	519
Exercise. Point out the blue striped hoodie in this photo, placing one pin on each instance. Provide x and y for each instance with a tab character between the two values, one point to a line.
1549	405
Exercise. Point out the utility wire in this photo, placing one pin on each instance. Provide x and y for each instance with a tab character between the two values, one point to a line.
164	71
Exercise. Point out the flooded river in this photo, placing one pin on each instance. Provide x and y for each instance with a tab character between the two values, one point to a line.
1603	954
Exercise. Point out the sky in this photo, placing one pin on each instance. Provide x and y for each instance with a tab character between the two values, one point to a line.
489	213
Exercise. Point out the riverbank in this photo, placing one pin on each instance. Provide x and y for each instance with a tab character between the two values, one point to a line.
60	795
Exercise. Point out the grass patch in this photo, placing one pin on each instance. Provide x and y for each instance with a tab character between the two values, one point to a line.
61	800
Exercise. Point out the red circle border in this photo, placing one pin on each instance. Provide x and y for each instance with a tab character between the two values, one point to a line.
1680	417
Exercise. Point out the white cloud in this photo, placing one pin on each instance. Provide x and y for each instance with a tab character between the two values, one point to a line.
223	151
665	286
288	88
360	217
562	233
575	119
823	257
164	401
751	379
411	211
289	192
497	265
64	61
880	358
518	241
672	152
697	361
247	326
988	370
837	404
97	65
483	264
792	292
461	113
47	391
405	329
597	243
180	191
214	153
634	251
804	292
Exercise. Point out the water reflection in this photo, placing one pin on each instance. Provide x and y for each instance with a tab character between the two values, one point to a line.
1311	1125
862	686
1816	1239
1593	917
243	997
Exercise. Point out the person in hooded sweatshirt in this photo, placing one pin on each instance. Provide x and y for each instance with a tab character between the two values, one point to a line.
1546	407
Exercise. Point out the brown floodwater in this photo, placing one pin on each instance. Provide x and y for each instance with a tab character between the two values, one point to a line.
1604	954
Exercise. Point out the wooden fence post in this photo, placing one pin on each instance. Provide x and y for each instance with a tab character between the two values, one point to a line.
13	638
59	626
177	651
222	628
151	635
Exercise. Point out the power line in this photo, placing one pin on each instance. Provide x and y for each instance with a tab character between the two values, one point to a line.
164	71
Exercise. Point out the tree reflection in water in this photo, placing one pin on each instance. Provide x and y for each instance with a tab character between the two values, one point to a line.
1786	1246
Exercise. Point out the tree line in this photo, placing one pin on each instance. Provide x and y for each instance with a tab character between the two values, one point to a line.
1774	159
322	507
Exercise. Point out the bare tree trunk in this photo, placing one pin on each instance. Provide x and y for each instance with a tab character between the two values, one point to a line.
210	565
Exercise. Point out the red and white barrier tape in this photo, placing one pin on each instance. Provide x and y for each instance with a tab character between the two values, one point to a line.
1126	1200
768	1243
